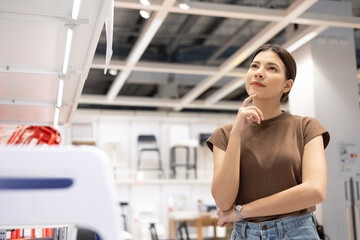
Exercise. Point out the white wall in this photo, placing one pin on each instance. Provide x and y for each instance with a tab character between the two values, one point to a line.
326	88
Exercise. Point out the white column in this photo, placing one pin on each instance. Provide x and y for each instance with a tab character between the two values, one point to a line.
326	88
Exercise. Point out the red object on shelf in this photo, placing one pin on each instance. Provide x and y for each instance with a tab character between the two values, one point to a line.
42	134
15	234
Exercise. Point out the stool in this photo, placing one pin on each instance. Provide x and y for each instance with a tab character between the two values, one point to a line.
147	143
186	144
182	227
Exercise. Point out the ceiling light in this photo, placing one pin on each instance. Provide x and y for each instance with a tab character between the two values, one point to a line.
60	93
184	5
56	117
76	9
113	72
145	2
145	14
67	49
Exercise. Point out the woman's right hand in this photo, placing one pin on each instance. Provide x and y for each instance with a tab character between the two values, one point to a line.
246	115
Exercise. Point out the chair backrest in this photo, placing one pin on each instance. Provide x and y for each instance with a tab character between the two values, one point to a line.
56	178
203	137
147	138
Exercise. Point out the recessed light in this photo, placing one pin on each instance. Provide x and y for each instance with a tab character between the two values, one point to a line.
145	2
144	13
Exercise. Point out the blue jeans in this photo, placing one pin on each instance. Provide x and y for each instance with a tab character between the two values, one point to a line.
288	228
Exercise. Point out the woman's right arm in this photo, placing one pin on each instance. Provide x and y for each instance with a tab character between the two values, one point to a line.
225	182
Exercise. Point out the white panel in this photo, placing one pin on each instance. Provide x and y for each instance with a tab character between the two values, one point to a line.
33	41
54	6
16	86
35	115
27	45
303	84
114	139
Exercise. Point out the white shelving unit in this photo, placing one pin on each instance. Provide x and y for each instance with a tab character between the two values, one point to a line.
46	52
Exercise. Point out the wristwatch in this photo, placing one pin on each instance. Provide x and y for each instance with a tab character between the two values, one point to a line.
238	209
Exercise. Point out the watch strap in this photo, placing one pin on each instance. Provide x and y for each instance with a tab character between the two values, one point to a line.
238	209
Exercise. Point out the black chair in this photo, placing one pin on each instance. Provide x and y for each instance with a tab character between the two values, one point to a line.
147	143
203	137
182	227
86	234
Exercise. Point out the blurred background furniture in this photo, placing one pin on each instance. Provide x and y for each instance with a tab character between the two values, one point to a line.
148	143
195	220
44	178
203	137
189	145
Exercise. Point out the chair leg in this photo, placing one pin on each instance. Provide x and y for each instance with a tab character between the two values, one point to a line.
139	159
195	162
160	165
181	226
187	161
172	161
153	232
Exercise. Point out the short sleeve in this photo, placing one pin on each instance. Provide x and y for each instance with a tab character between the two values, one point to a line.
313	128
219	138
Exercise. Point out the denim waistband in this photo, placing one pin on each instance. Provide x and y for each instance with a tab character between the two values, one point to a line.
278	225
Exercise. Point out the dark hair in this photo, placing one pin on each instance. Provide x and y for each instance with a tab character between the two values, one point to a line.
286	58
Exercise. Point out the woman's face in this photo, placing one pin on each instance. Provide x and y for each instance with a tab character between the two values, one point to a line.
267	76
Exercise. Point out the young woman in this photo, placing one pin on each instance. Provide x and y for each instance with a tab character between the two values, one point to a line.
269	165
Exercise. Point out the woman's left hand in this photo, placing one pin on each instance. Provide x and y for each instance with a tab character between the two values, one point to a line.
226	217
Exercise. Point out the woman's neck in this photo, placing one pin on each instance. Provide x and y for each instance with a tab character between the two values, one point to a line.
268	108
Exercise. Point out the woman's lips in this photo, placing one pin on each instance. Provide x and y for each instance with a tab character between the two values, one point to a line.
257	84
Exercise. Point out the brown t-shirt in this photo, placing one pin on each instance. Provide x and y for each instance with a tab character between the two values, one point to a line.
271	156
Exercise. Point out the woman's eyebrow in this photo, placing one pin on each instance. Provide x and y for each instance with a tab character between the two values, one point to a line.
275	64
269	63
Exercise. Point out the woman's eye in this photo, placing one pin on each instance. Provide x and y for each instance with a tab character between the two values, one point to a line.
253	66
272	69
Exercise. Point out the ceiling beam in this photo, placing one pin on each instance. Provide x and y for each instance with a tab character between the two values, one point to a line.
153	102
98	63
20	102
40	16
150	29
328	20
231	41
212	9
185	28
224	91
302	37
295	9
252	13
